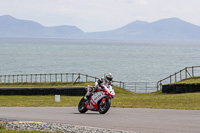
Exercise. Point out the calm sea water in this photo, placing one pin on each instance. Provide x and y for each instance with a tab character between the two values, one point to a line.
126	60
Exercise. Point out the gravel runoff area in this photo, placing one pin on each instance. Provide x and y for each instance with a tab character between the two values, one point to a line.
55	127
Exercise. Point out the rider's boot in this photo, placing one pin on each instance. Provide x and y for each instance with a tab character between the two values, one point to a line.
88	94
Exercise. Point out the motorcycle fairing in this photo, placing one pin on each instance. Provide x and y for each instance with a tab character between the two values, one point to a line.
94	100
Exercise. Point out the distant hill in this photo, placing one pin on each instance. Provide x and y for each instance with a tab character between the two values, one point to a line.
164	29
12	27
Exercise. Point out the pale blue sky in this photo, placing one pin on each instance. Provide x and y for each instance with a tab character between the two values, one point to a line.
100	15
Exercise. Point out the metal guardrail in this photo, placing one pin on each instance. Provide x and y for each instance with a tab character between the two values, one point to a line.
51	77
139	87
185	73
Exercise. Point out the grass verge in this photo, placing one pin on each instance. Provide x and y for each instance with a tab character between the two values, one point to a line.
124	98
193	80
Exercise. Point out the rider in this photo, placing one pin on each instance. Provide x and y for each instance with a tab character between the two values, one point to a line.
106	80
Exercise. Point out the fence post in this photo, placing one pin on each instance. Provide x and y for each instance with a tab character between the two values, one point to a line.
61	77
180	75
56	77
185	72
50	77
157	85
40	78
175	77
72	77
192	71
86	78
160	85
13	78
170	77
79	75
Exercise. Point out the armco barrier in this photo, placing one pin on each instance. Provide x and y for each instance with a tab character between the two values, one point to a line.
181	88
67	91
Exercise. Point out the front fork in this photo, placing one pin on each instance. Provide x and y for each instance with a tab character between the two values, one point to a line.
103	101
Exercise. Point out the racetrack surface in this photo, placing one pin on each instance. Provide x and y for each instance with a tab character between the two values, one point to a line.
130	119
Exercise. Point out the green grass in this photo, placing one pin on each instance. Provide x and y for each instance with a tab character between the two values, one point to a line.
40	101
124	98
193	80
190	101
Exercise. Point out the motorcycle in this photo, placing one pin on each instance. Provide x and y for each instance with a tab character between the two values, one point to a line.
99	101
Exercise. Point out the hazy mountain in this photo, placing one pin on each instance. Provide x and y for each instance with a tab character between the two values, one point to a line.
170	29
165	29
12	27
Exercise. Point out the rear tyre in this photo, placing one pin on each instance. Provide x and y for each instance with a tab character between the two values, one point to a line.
103	108
81	106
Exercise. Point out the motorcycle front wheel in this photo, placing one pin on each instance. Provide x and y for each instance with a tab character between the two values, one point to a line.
81	106
103	108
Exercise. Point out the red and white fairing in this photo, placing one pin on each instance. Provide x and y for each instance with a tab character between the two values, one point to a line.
108	92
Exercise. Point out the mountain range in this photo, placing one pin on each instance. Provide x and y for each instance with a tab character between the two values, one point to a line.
12	27
164	29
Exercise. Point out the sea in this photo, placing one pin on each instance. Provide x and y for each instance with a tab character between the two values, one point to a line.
127	60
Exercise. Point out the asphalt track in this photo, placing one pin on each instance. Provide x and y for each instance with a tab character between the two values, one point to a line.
130	119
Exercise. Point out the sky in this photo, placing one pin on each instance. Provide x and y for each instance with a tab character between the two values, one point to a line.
100	15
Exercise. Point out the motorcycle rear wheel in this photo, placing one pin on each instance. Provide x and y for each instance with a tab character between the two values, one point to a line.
81	106
103	108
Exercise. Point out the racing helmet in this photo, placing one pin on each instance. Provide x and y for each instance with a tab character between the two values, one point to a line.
108	77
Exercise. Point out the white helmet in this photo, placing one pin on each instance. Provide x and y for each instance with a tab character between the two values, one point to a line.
108	77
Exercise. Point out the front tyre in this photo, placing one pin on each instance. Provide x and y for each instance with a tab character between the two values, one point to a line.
103	108
81	106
